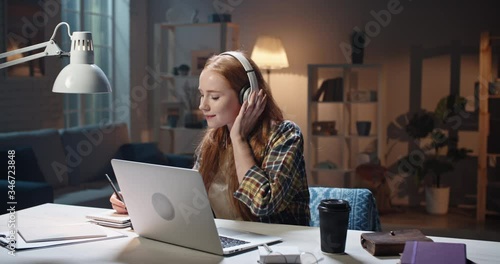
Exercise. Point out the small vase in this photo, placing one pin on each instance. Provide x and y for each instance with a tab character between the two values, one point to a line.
363	128
358	47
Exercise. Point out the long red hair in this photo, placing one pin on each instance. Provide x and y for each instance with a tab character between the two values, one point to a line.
216	148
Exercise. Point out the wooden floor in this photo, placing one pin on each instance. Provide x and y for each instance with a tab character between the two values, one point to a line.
458	223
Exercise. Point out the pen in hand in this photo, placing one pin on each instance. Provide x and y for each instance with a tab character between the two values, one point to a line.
118	195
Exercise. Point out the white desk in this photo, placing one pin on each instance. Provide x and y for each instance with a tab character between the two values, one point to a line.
134	249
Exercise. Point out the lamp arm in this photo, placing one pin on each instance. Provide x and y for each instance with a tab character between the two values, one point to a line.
51	49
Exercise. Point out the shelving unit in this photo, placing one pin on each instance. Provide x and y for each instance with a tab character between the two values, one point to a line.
485	78
335	145
176	97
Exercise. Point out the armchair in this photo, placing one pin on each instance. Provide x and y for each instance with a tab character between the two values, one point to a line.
363	215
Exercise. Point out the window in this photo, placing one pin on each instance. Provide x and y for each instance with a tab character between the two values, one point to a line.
97	17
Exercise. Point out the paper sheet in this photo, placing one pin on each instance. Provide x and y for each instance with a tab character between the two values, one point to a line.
22	244
60	232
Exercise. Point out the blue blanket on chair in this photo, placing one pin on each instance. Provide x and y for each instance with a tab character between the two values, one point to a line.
363	215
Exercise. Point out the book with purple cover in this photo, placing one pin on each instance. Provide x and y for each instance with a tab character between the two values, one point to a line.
433	252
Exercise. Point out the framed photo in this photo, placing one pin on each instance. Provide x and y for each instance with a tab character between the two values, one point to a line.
198	60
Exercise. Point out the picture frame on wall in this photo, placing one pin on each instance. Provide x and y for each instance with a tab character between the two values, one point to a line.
198	60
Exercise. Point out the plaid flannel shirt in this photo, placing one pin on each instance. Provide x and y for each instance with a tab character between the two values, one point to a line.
277	191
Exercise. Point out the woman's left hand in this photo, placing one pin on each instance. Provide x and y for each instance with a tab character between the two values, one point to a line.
250	112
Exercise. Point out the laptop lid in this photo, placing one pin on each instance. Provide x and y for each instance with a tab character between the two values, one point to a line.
170	204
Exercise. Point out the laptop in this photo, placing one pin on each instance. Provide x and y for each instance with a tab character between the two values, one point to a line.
170	204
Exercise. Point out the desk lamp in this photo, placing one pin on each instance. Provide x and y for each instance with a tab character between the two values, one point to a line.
81	75
269	54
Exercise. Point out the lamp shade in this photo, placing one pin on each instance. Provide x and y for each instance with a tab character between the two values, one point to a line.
81	78
269	53
81	75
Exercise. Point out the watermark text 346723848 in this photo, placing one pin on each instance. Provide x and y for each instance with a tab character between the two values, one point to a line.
11	202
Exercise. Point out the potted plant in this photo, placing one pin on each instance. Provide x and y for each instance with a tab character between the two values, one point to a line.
429	162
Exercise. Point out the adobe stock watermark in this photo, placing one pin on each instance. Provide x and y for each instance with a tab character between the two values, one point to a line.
93	138
372	29
199	203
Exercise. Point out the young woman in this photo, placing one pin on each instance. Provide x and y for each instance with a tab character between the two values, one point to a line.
250	158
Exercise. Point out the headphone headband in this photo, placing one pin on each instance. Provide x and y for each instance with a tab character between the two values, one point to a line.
252	78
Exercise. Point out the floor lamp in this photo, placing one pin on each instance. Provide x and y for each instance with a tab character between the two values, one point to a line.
81	75
269	54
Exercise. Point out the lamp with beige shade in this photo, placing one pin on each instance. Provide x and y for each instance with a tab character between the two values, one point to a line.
269	54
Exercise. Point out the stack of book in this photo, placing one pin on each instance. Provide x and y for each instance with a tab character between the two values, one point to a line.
110	219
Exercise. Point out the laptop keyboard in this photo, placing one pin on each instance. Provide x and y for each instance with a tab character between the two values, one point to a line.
231	242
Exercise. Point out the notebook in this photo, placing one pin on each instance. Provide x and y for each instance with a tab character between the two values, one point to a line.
433	253
21	244
110	224
110	216
60	232
170	204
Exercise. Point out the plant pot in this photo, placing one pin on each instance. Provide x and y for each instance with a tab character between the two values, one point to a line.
437	200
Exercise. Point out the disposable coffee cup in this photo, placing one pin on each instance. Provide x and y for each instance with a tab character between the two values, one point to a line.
333	221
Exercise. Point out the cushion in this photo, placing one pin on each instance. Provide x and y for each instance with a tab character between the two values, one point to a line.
25	165
143	152
46	144
89	150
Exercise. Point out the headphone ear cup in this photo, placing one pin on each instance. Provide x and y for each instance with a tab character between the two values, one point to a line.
244	93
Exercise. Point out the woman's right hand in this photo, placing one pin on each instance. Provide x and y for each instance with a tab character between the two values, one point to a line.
118	205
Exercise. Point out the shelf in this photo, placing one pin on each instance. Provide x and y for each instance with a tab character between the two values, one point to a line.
179	140
346	102
332	170
167	101
179	128
175	45
173	25
485	74
357	136
329	136
328	102
167	76
344	66
362	102
348	108
345	136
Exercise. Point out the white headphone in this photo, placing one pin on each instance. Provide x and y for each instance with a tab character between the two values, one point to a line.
252	78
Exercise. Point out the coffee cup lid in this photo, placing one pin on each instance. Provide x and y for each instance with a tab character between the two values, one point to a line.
334	205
